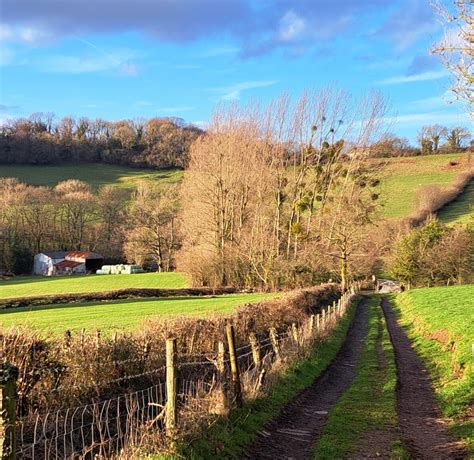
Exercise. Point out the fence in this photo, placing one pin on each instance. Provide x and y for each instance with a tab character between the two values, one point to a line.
174	405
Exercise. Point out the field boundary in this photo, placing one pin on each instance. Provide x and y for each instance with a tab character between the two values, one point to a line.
118	294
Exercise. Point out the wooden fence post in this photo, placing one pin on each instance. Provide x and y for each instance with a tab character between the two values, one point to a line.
275	345
294	333
8	376
318	322
222	407
83	337
311	325
234	365
67	339
97	338
323	318
257	360
171	388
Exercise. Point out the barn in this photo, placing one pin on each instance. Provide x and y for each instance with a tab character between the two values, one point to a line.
66	263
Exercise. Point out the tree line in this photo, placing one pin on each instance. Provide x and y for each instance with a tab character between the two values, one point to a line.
152	143
431	139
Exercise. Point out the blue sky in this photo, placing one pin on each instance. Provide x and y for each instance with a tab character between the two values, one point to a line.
124	59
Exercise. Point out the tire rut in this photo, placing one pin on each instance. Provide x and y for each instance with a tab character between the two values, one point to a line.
424	432
293	433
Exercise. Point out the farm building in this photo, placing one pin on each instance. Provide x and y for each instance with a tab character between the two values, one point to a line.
66	263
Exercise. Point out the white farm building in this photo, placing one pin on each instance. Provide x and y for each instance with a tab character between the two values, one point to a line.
66	263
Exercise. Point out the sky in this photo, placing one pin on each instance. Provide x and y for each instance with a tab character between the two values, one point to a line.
116	59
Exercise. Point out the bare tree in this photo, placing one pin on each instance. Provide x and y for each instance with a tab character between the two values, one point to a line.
456	137
457	47
432	134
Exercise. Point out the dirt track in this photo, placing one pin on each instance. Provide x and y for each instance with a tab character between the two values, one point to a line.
292	434
424	433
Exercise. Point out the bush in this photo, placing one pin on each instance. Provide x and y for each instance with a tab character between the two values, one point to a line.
434	254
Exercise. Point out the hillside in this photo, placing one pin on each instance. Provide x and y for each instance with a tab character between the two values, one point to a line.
404	176
94	174
401	179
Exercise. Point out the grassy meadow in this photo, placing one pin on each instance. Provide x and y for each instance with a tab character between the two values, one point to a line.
120	315
94	174
404	176
440	322
30	286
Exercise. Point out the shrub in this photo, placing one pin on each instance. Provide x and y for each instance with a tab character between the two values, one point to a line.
434	254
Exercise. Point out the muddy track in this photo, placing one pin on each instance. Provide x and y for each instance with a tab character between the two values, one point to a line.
292	434
423	431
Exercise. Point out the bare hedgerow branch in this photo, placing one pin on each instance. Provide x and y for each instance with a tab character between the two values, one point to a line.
457	47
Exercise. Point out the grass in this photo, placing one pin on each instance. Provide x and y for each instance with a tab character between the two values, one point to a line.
403	177
120	315
94	174
30	286
228	437
369	405
440	323
461	210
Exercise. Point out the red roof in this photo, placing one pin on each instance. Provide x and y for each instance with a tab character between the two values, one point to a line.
68	264
83	255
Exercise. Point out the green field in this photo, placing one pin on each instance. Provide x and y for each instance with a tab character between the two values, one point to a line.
461	210
440	322
403	177
30	286
94	174
120	315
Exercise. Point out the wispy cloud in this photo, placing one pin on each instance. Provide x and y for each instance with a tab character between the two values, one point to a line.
425	76
233	92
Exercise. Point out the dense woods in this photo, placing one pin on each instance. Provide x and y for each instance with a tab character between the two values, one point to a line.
153	143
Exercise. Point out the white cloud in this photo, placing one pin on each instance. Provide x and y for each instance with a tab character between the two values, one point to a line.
291	26
28	35
402	79
233	92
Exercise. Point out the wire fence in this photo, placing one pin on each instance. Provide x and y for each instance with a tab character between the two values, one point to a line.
204	385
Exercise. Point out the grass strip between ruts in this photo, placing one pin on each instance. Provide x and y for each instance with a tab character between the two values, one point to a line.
367	410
